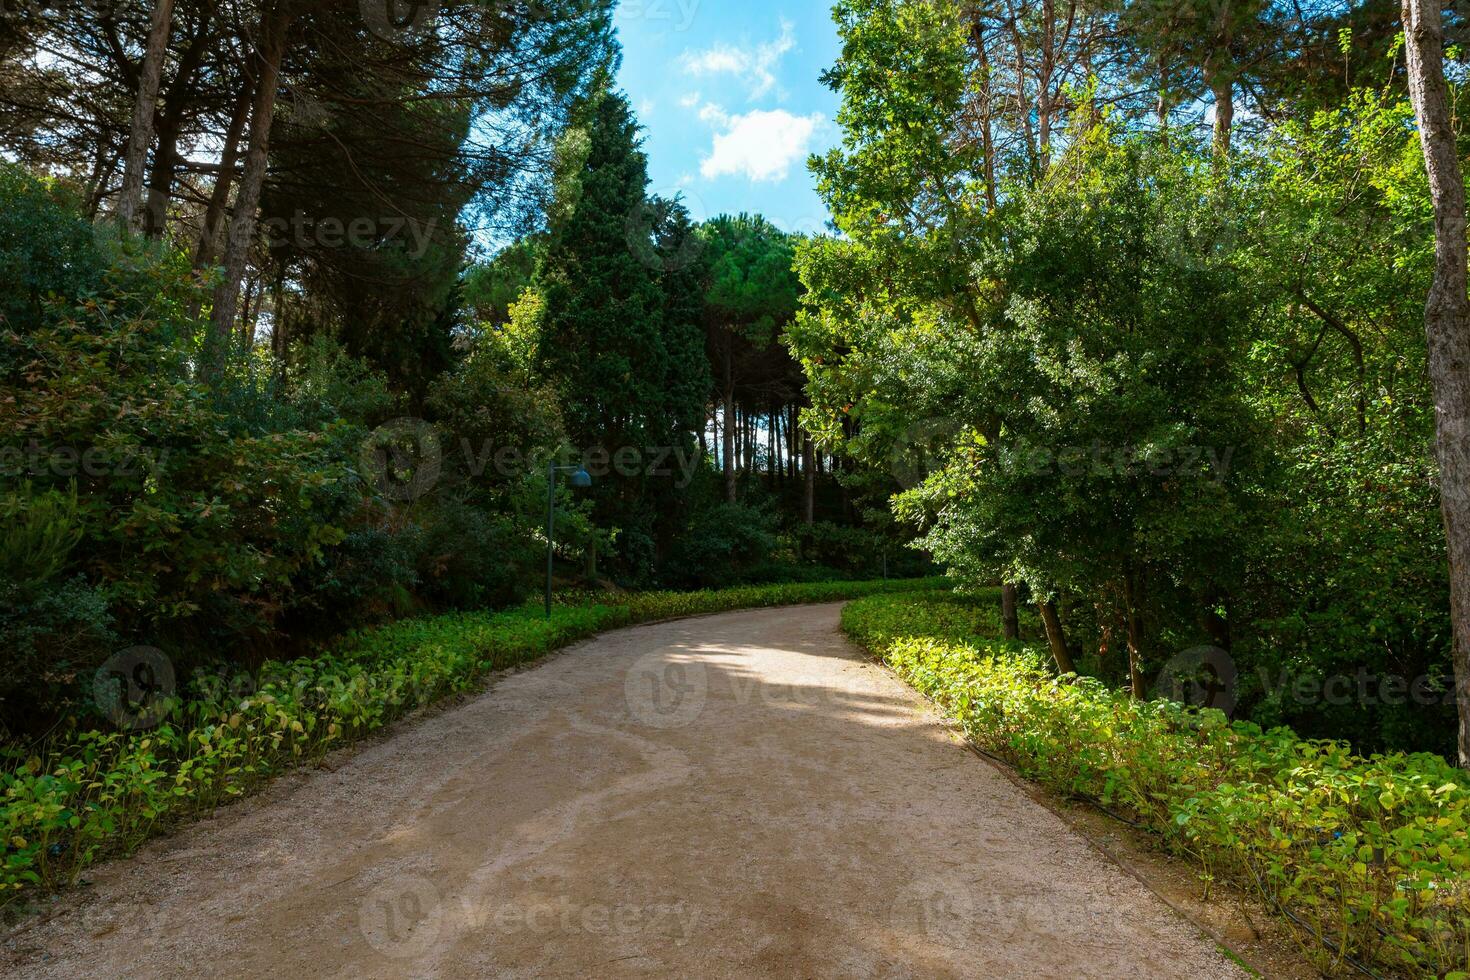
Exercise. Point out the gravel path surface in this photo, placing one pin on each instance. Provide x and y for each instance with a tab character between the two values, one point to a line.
736	795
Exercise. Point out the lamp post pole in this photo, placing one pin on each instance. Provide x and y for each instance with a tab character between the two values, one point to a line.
550	529
579	479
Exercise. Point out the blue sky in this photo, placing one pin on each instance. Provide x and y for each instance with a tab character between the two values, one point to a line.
728	95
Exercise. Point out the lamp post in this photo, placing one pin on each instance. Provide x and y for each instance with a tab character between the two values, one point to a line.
580	479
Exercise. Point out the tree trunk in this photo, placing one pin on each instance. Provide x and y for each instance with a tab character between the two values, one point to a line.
1043	82
129	209
1056	638
1446	322
731	484
1224	92
161	177
1135	637
242	225
987	91
209	232
793	428
1010	622
809	476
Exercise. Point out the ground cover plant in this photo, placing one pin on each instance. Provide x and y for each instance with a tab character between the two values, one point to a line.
1368	855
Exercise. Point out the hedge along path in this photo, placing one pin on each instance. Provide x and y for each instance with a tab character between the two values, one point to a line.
739	795
1367	857
105	792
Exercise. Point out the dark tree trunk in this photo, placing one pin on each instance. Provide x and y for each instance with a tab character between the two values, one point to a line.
161	178
809	475
793	429
209	233
1010	621
731	491
1056	638
771	447
144	106
1135	636
274	22
1224	92
1446	322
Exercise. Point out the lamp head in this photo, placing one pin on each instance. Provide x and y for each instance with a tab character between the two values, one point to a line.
581	479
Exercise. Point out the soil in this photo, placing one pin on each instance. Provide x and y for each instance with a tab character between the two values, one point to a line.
735	795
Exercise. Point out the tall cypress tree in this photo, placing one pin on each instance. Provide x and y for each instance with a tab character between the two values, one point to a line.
603	340
618	344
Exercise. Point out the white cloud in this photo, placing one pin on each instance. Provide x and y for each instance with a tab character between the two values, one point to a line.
761	145
755	65
645	109
690	101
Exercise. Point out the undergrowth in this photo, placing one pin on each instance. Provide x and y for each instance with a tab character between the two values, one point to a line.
1366	857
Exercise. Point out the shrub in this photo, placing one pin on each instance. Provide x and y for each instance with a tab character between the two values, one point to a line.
721	544
1367	854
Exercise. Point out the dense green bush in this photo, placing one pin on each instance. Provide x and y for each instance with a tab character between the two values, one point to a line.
1369	854
720	543
105	791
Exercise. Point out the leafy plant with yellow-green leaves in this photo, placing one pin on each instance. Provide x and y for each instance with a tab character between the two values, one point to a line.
1368	857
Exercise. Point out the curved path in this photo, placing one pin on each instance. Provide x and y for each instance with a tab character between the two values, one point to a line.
736	795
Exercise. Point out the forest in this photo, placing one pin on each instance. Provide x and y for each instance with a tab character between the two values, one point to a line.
264	384
1148	317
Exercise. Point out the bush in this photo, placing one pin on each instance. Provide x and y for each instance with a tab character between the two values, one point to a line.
721	544
1368	854
103	792
46	247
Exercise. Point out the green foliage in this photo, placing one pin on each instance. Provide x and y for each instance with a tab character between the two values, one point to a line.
722	544
1369	854
46	249
603	341
1126	469
493	288
621	339
100	792
1180	391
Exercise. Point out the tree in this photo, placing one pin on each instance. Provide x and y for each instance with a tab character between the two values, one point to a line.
1446	321
142	128
619	364
752	296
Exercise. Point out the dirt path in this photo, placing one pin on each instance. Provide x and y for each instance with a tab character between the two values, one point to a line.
738	795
